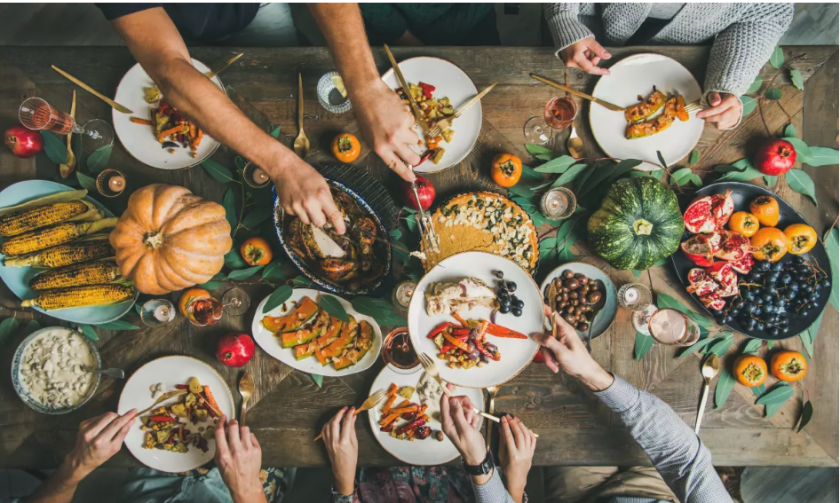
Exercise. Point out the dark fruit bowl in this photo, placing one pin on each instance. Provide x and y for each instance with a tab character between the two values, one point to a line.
742	194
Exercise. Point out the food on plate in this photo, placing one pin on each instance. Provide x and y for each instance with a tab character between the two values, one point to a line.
88	273
308	332
256	251
775	157
506	169
59	234
788	366
235	350
709	213
425	192
464	345
80	296
69	206
801	238
766	210
447	298
432	110
59	256
713	284
23	142
169	239
508	301
351	260
304	311
171	128
733	246
701	248
406	392
750	370
674	109
638	224
429	390
574	296
167	427
744	223
406	421
346	147
770	244
646	107
484	221
52	368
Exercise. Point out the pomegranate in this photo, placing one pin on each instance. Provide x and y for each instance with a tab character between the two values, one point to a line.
775	157
725	277
235	350
696	274
23	142
701	283
425	190
701	248
722	207
733	246
743	265
713	301
698	216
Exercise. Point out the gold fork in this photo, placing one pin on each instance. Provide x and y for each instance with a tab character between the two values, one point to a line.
444	124
694	106
372	401
162	398
431	368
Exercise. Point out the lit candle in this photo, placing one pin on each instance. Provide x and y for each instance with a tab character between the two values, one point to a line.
162	313
631	295
116	183
259	176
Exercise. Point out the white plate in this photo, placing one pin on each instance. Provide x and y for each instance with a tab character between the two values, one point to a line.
450	82
271	343
419	452
516	353
170	371
139	140
628	79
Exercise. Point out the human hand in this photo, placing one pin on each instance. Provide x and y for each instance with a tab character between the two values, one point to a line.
460	423
516	451
302	191
98	439
725	111
239	458
585	55
386	125
568	352
340	438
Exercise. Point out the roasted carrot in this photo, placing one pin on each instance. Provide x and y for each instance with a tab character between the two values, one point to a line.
462	321
211	400
388	419
138	120
170	131
405	410
388	404
392	390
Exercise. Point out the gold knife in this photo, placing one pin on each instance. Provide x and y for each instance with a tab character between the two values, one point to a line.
220	68
575	92
89	89
418	116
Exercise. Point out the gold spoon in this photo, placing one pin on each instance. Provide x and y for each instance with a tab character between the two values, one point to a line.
301	142
246	389
711	367
574	144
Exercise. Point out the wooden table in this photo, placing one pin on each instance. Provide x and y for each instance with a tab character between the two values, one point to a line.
289	408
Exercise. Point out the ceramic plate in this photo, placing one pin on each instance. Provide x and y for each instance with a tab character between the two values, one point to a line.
139	140
17	278
428	451
271	343
606	315
516	353
450	82
630	78
171	371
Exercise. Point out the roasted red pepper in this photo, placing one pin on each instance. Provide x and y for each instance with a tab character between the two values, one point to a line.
458	343
411	426
500	331
427	89
485	351
387	429
182	386
163	419
438	329
445	348
461	333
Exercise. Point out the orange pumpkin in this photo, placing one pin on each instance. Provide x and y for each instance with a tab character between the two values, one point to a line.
256	251
346	147
750	370
168	239
506	170
801	237
189	296
788	366
744	223
770	244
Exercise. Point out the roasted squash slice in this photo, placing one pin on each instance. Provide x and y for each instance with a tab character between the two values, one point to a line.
328	336
654	126
646	108
308	332
682	114
361	346
304	312
349	331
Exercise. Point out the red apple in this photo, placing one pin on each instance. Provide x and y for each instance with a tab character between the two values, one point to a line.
235	350
23	142
425	190
775	157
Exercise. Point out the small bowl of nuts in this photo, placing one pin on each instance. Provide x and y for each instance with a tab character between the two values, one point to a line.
583	295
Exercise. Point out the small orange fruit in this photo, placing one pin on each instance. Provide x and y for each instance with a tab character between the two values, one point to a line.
788	366
801	237
766	209
770	244
256	251
744	223
750	370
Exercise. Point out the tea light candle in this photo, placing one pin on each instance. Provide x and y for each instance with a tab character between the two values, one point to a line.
259	176
116	183
631	295
403	293
162	313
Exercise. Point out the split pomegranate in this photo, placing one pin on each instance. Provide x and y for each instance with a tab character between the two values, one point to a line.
701	248
698	216
775	157
235	350
725	277
713	301
743	265
722	207
700	282
425	190
23	143
733	246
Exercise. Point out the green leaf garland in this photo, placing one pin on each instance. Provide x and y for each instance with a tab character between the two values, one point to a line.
805	417
832	249
272	272
240	274
98	160
749	103
752	347
642	346
55	149
333	307
796	79
724	387
319	379
219	173
85	181
799	181
777	58
755	86
118	325
277	298
229	204
773	94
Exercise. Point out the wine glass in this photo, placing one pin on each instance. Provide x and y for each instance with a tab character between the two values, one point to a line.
673	328
536	131
236	301
38	115
207	311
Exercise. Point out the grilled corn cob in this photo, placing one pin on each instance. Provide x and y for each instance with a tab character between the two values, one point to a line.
89	273
42	239
65	255
27	220
80	296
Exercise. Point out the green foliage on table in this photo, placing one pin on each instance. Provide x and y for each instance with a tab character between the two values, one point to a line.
302	282
799	181
530	173
273	272
775	398
832	249
333	307
86	181
755	86
790	131
8	328
773	93
686	175
98	160
770	180
809	335
664	300
724	387
642	345
88	332
55	149
119	325
257	216
219	173
277	298
240	274
721	346
380	310
758	390
820	156
233	260
556	165
319	379
275	132
229	204
694	157
31	327
568	175
752	347
805	417
748	105
777	58
796	79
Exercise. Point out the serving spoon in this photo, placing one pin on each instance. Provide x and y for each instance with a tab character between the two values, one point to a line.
711	367
301	142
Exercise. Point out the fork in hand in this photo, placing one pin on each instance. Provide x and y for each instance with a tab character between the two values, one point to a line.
431	368
372	401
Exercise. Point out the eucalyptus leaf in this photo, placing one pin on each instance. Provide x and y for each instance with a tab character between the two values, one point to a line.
701	344
796	79
724	387
694	157
721	347
770	344
642	346
778	394
566	255
637	273
752	347
233	260
556	165
333	307
770	180
85	181
411	223
55	149
272	272
219	173
805	417
665	300
8	327
832	249
748	105
799	181
749	173
537	149
529	172
229	204
89	332
758	390
118	325
212	285
569	175
777	59
807	343
802	149
277	298
32	327
544	157
319	379
521	190
773	94
820	156
790	131
97	161
240	274
661	160
755	86
256	217
682	176
275	132
301	281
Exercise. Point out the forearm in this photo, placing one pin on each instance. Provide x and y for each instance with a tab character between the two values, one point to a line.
60	486
492	490
564	25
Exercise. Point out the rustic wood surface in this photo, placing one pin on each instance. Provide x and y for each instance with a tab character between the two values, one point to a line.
288	408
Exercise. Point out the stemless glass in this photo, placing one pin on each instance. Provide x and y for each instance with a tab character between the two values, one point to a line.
38	115
673	328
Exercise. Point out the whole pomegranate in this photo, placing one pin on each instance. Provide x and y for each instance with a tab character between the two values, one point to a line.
425	190
235	350
775	157
23	142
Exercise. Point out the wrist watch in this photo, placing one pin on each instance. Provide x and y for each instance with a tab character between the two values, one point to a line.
484	468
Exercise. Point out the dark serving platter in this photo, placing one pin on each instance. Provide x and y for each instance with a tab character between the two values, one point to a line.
742	194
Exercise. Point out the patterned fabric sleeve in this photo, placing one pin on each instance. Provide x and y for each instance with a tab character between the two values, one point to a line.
493	491
676	452
564	25
340	498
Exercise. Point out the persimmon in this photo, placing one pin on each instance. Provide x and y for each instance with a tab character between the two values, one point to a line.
506	169
788	366
744	223
750	370
346	147
801	237
766	210
189	296
770	244
256	251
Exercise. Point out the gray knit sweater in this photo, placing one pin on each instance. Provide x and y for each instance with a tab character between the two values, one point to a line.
744	33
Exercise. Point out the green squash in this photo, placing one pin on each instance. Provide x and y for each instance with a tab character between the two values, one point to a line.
638	224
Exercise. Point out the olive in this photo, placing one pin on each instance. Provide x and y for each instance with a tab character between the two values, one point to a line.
579	310
558	299
575	302
593	297
568	273
583	279
588	316
570	309
572	284
565	295
570	319
573	295
583	326
562	305
584	289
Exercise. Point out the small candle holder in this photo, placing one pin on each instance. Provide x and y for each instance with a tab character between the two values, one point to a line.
157	312
402	294
110	183
330	97
255	177
634	296
641	319
558	204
